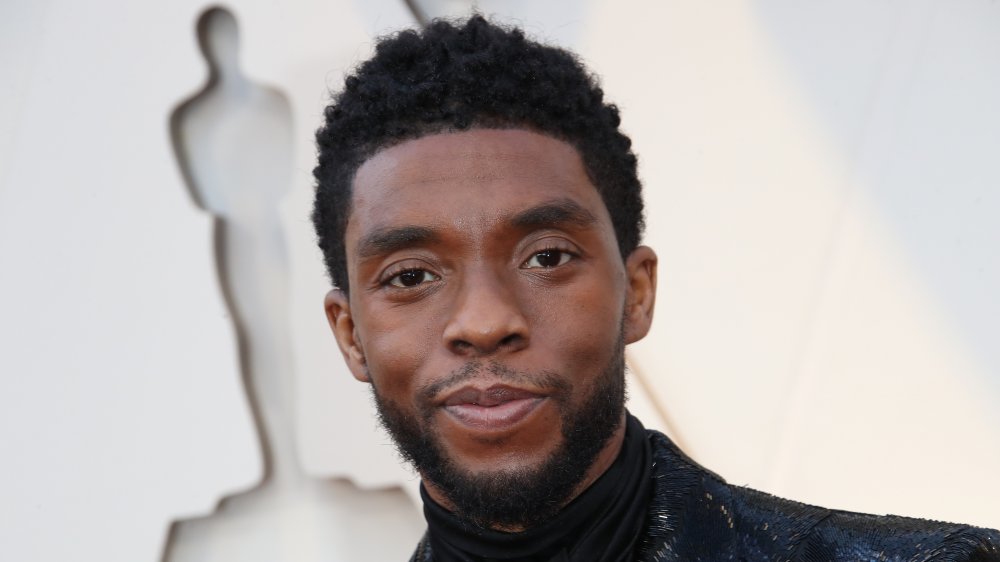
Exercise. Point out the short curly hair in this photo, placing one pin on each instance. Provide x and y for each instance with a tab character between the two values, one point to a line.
458	76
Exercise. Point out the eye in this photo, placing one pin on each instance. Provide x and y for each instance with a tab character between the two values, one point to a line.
548	258
411	278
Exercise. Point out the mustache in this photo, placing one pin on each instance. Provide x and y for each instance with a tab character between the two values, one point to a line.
498	372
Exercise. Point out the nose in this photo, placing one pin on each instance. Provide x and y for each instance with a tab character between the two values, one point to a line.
486	319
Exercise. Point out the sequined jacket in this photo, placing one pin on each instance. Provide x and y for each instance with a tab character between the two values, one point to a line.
694	515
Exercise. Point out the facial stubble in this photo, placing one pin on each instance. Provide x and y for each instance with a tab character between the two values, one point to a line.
526	496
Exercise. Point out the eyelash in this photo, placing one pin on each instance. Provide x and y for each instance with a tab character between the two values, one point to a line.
392	276
565	256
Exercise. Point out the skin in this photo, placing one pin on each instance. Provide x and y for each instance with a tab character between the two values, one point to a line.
487	247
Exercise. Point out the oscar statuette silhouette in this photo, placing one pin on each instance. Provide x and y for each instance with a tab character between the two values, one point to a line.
233	141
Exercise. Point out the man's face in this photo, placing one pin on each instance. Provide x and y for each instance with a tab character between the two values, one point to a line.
489	306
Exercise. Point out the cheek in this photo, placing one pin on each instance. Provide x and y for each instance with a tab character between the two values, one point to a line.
401	344
581	325
396	349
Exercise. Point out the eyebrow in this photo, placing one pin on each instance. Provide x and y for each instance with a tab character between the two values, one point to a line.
554	213
383	241
387	240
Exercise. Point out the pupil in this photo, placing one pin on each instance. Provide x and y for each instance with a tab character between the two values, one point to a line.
548	258
410	278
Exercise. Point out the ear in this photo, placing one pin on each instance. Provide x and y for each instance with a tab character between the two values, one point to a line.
640	268
338	314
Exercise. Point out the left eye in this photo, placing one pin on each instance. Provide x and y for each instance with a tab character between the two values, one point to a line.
411	278
548	258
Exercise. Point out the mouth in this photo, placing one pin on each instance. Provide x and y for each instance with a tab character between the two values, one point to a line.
492	409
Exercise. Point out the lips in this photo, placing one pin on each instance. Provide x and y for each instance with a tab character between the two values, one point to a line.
496	408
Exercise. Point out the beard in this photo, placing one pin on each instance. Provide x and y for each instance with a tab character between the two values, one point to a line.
525	496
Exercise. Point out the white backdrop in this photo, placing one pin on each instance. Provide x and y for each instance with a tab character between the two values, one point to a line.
821	186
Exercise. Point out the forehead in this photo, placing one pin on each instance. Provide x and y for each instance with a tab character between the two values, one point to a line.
467	179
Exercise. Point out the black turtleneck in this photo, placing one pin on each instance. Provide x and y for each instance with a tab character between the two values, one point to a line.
601	525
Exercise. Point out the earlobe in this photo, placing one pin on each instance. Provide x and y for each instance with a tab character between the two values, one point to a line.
640	268
338	314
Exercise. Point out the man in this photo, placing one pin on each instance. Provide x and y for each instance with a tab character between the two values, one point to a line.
480	215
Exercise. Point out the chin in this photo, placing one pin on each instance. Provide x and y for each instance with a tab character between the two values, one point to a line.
500	489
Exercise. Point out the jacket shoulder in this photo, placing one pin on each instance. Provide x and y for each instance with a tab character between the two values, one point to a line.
695	514
813	533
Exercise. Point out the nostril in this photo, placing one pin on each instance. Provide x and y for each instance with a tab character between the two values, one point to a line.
512	340
461	346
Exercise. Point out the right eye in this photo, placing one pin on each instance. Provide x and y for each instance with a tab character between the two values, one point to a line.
411	278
